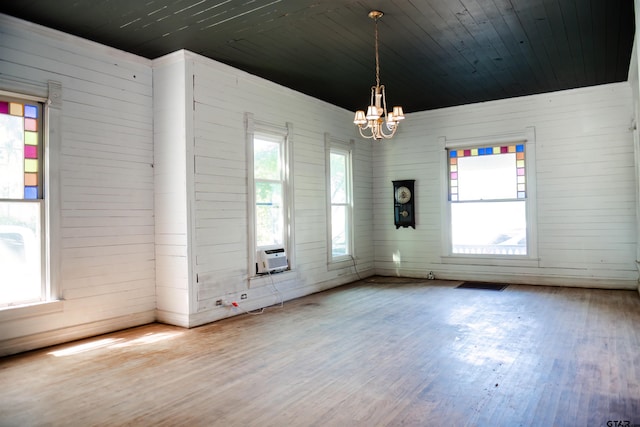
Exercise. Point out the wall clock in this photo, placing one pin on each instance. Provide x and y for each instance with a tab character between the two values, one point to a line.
403	204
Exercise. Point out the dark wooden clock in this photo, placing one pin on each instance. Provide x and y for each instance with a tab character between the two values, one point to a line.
403	204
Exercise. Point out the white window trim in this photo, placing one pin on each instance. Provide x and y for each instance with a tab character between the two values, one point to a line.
348	148
526	136
253	126
51	98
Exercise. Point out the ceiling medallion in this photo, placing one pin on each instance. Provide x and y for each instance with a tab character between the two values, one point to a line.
372	125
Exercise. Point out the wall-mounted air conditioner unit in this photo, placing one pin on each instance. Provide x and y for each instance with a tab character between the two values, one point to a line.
272	260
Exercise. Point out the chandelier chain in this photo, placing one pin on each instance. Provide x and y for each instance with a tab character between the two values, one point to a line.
377	55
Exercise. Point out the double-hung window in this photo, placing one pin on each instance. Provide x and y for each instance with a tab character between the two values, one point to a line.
22	209
490	198
340	203
270	189
270	202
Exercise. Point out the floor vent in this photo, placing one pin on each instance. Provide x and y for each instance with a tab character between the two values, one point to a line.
482	285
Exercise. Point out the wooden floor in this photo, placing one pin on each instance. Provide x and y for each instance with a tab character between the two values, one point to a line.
379	352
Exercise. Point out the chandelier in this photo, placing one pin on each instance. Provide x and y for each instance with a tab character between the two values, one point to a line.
377	123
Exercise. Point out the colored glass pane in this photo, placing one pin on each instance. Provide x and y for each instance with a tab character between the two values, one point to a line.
30	152
516	160
15	109
4	107
11	157
30	193
30	165
31	111
30	179
31	125
521	195
31	138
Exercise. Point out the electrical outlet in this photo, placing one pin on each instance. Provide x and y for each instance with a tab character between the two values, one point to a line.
218	302
243	296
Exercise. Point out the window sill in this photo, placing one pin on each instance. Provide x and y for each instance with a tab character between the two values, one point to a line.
490	261
276	277
30	310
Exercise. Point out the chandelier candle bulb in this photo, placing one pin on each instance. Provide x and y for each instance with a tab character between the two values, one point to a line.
372	125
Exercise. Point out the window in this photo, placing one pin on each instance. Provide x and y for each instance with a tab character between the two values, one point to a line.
340	202
490	198
270	205
269	182
22	207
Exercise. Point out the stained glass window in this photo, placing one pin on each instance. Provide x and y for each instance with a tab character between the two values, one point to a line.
487	191
487	173
21	202
20	157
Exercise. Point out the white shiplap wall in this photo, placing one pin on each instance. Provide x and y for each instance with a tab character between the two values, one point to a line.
171	110
103	224
215	242
585	187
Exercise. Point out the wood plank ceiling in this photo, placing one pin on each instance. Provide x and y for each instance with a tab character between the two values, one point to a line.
433	53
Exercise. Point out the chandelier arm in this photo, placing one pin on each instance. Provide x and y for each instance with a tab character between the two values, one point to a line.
387	135
360	128
384	101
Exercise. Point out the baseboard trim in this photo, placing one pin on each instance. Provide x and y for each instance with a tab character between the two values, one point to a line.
522	279
73	333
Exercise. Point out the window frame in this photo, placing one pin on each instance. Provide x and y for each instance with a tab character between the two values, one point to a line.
50	99
276	133
526	137
333	145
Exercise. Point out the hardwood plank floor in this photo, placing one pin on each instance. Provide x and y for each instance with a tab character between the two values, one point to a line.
381	351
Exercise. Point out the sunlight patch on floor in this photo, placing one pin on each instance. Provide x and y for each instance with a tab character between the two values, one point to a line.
114	343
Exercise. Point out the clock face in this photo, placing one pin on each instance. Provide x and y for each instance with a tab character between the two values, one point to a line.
403	195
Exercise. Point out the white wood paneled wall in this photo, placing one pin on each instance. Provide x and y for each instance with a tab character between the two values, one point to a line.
172	111
586	193
105	245
211	250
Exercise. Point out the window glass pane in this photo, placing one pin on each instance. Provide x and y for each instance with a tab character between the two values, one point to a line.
266	159
487	177
11	157
20	265
338	178
269	214
339	245
498	228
